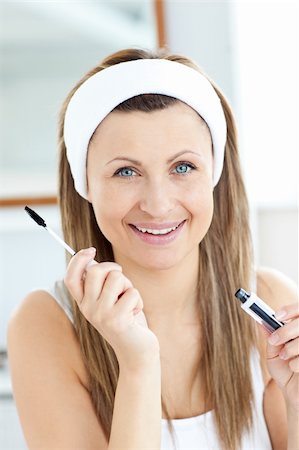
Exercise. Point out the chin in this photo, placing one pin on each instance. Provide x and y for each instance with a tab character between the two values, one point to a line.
159	266
159	262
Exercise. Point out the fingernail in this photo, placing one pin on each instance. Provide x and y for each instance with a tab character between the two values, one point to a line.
91	263
89	251
273	339
280	314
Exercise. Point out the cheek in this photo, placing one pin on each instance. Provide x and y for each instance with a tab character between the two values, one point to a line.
200	203
111	204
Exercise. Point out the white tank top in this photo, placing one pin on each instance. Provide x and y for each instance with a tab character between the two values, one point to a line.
199	432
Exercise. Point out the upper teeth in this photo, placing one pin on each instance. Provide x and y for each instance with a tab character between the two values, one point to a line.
149	230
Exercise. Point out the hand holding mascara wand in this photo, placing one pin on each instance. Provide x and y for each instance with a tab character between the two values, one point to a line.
40	221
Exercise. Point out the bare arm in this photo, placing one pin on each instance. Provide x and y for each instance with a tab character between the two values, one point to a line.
48	377
136	421
51	387
282	420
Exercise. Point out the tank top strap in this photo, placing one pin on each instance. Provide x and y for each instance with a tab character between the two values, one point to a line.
59	292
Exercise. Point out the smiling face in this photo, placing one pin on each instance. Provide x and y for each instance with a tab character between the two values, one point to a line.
152	171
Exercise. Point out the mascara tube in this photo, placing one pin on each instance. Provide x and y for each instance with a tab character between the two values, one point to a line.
258	309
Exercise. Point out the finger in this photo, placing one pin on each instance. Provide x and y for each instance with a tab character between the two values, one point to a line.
285	333
273	351
290	350
288	312
129	301
128	283
114	286
73	278
95	278
138	307
265	331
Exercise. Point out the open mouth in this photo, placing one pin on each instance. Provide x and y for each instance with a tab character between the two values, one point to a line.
157	232
157	236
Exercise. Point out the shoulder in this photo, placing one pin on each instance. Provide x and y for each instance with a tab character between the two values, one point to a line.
50	382
40	326
275	288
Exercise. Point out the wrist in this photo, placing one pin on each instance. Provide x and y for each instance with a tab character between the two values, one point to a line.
293	429
292	408
141	368
292	414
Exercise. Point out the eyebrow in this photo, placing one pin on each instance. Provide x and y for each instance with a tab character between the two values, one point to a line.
138	163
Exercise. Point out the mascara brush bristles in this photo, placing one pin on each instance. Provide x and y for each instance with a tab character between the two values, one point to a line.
40	221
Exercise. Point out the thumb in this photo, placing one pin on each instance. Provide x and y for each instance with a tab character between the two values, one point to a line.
138	307
128	283
272	350
264	330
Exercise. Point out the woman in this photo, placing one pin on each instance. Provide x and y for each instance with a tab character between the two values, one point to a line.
150	185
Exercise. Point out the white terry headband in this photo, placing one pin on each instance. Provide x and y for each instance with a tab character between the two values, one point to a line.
102	92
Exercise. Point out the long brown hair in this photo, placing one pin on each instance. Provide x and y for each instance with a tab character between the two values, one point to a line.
225	263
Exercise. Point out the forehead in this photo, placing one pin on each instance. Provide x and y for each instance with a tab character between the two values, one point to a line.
177	120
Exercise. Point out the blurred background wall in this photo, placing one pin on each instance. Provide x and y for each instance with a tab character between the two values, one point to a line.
249	48
45	48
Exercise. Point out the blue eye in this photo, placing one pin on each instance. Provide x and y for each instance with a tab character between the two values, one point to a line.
182	168
125	172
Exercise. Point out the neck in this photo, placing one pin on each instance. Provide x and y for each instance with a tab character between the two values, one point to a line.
169	293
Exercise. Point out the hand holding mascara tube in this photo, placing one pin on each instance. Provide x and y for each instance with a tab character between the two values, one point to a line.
282	347
258	309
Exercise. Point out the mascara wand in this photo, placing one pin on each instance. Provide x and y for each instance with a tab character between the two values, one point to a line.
40	221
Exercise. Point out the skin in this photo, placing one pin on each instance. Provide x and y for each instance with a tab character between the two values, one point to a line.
155	315
280	361
156	193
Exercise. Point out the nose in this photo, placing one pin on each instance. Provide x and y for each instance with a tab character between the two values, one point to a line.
157	199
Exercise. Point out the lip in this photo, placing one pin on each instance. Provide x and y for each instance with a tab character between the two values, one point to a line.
156	226
162	239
